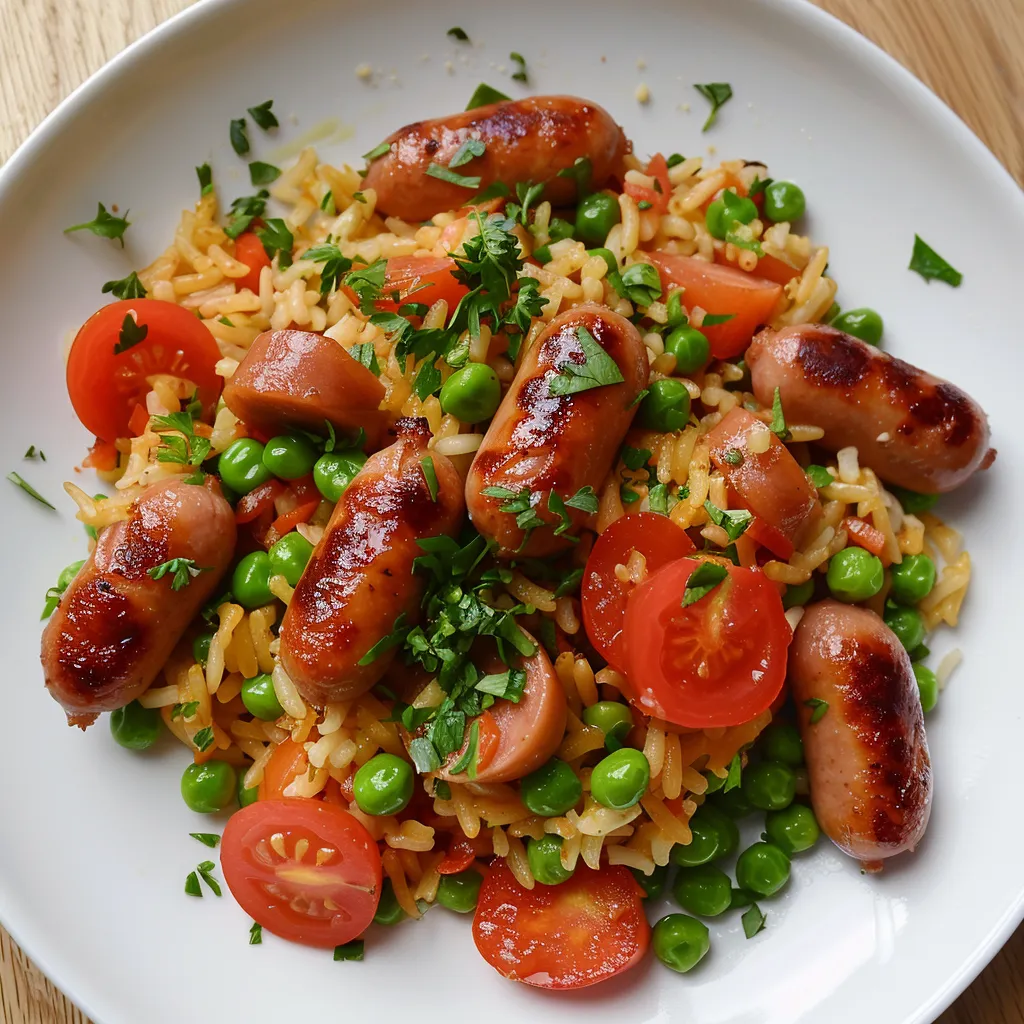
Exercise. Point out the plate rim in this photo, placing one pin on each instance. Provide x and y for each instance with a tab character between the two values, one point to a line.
804	12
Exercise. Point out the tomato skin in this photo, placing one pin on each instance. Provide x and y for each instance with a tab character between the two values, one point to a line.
720	290
249	250
568	936
269	886
720	661
106	386
420	279
603	594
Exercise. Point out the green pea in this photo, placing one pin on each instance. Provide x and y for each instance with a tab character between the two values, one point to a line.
460	892
596	215
726	211
472	394
608	256
260	698
912	579
250	582
666	406
201	648
734	802
619	780
715	836
288	557
241	465
135	727
784	201
208	787
793	829
907	624
912	501
246	796
559	229
333	471
704	890
781	742
383	785
690	348
928	685
854	575
762	869
388	910
862	323
551	790
545	857
612	718
653	884
769	787
289	456
680	942
798	594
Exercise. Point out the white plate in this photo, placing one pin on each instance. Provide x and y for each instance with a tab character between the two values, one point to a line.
94	843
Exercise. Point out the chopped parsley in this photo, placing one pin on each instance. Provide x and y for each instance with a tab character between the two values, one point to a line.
327	204
493	191
717	94
735	776
131	333
779	427
570	584
931	266
209	839
818	708
462	180
639	283
520	75
104	224
519	505
634	458
366	354
424	756
34	453
458	33
469	150
582	171
334	265
353	950
528	193
238	136
508	685
17	480
377	151
733	521
644	205
819	476
702	581
185	711
734	457
203	740
598	369
584	500
661	499
205	176
277	241
711	319
484	95
256	934
206	874
188	449
467	761
192	886
427	381
261	173
264	116
182	570
758	185
129	287
243	211
430	475
368	284
753	920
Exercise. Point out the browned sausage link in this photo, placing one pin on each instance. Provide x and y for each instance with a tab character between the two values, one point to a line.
116	625
913	429
360	578
526	140
544	442
867	755
292	379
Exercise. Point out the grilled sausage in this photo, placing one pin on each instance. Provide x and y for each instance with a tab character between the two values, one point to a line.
292	379
867	755
544	442
913	429
360	577
116	626
526	140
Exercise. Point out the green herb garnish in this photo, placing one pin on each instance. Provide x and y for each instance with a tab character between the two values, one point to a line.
459	34
733	521
182	570
353	950
735	776
819	476
597	370
105	224
334	265
469	150
518	58
717	94
17	480
818	708
779	427
209	839
753	921
239	137
365	353
277	241
256	934
931	266
261	173
711	319
264	116
129	287
430	475
462	180
130	335
485	95
192	886
206	874
702	581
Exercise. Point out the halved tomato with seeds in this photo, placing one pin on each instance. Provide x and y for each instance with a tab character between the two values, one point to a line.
305	870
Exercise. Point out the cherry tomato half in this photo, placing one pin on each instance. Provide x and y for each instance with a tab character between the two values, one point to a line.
717	662
585	930
323	890
603	594
249	250
106	386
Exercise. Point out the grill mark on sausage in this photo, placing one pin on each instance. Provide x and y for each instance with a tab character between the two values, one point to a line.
832	359
145	544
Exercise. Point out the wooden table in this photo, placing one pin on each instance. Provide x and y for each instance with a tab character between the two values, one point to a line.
971	52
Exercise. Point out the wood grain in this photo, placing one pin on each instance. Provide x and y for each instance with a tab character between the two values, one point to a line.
970	52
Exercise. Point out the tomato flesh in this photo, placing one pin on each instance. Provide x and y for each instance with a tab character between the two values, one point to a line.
603	594
717	662
249	250
568	936
106	387
306	870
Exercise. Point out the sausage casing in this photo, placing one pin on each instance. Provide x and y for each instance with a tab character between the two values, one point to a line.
867	754
544	442
360	577
913	429
116	626
528	140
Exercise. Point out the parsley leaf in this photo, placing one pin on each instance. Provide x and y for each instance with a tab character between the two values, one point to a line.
518	58
557	506
368	283
261	173
717	94
467	761
597	369
753	921
256	934
277	240
528	194
778	417
711	319
205	176
17	480
735	776
470	149
508	685
353	950
483	96
186	711
639	283
203	739
634	458
264	116
931	266
334	265
734	457
243	211
585	500
238	136
34	453
206	873
493	191
192	886
392	639
582	171
702	581
105	224
430	475
758	185
818	708
819	476
130	335
423	754
443	174
209	839
570	584
428	380
183	571
365	353
327	204
733	521
459	34
129	287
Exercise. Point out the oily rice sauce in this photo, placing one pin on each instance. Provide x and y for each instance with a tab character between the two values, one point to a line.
310	751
